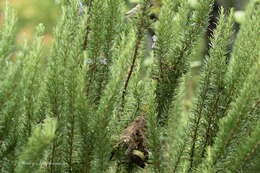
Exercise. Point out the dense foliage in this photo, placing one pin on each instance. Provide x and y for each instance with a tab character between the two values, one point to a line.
108	97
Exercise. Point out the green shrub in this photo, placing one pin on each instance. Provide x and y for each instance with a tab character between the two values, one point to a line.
108	100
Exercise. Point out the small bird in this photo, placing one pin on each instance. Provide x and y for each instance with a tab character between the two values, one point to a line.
132	13
154	9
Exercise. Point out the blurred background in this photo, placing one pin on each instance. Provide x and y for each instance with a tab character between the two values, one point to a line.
33	12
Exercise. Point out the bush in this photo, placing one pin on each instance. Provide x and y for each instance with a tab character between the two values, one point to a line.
108	100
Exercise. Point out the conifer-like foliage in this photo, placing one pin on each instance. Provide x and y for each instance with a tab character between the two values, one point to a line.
109	97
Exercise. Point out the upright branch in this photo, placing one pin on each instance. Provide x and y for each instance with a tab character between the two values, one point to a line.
210	90
173	52
141	28
89	6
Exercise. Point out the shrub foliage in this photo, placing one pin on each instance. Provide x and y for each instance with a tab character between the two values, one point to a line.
110	98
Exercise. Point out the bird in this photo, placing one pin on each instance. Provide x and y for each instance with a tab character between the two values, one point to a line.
133	12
